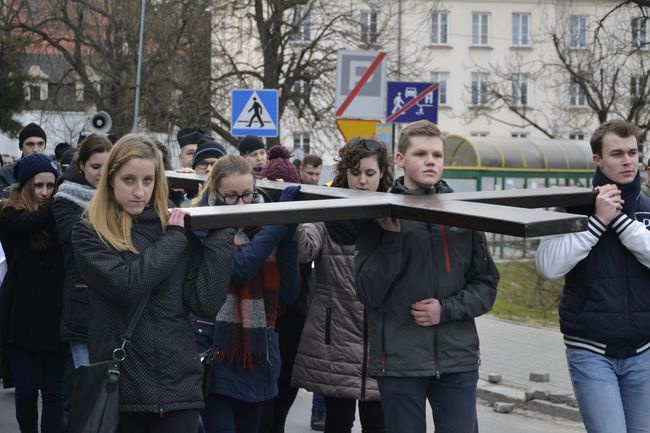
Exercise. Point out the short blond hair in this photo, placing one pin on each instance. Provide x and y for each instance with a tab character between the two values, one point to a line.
421	128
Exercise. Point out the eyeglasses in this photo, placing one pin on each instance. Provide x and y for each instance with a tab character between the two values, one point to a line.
371	145
205	164
247	197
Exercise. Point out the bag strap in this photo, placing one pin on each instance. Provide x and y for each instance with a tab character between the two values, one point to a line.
119	354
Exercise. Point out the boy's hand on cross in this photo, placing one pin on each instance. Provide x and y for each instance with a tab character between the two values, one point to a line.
389	224
426	312
608	203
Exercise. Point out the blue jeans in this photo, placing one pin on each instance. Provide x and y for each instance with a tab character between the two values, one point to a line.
452	399
79	352
613	394
33	370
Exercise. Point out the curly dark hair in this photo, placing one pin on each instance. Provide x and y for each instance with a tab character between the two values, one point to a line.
350	157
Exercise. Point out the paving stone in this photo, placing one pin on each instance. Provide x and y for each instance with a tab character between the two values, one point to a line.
571	401
539	377
557	398
540	395
502	407
494	378
529	395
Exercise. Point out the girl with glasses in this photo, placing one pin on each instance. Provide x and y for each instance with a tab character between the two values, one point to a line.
242	336
333	351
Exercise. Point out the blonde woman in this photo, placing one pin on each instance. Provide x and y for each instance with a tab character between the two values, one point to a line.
129	246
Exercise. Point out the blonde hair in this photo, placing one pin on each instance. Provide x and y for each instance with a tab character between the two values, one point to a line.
112	223
225	166
421	128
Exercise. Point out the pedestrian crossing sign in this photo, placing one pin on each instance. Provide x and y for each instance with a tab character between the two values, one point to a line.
254	112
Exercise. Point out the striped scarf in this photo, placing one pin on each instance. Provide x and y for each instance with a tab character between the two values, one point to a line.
250	308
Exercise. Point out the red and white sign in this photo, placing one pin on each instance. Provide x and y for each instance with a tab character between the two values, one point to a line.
361	85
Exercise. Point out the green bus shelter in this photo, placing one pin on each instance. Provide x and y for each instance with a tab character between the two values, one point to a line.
505	162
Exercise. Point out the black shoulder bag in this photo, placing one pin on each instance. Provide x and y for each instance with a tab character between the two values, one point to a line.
95	399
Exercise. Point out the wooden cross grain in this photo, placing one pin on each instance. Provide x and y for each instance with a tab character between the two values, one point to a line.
510	212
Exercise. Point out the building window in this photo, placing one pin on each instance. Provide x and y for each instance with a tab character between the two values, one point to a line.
302	24
637	87
520	30
441	78
479	88
577	96
301	141
368	27
79	91
519	90
478	134
578	31
519	134
639	32
577	136
439	27
35	93
480	24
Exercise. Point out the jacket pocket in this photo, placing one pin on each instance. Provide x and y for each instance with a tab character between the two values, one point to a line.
203	334
328	326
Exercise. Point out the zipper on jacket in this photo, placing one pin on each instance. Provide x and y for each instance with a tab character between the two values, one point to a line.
445	248
328	325
364	363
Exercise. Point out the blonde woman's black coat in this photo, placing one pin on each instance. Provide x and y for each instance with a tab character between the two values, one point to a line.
162	372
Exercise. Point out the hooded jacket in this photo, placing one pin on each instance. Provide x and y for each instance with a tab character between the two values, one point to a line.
332	356
162	372
395	270
69	203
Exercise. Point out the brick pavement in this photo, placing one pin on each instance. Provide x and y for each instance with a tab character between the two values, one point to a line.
514	351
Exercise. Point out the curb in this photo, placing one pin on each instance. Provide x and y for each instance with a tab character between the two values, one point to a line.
529	400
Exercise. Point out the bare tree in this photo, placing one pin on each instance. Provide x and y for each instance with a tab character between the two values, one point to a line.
12	81
98	39
589	69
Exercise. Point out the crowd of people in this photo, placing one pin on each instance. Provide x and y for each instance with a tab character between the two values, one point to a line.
375	314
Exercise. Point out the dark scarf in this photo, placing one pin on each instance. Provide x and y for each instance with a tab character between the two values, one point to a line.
629	192
342	232
250	308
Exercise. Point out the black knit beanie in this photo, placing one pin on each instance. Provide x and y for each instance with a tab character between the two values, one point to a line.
249	144
30	130
29	166
207	149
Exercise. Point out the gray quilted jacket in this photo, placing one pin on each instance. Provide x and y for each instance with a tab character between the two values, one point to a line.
333	353
161	372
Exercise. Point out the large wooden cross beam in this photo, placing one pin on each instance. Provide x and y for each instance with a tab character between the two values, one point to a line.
510	212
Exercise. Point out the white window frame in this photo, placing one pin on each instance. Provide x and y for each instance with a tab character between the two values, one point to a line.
520	134
440	28
480	28
577	136
640	32
479	90
578	31
368	21
519	90
443	89
302	140
635	86
520	29
302	20
577	97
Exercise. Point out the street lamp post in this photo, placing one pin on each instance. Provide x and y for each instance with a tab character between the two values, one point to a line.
139	70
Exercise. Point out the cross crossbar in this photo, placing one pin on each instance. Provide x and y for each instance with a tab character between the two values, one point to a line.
510	212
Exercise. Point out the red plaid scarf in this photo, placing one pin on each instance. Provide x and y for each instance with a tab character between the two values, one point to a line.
251	307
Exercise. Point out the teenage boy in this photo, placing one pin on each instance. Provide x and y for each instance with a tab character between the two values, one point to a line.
605	304
423	284
31	139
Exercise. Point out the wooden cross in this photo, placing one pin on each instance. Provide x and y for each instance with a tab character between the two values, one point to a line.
510	212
